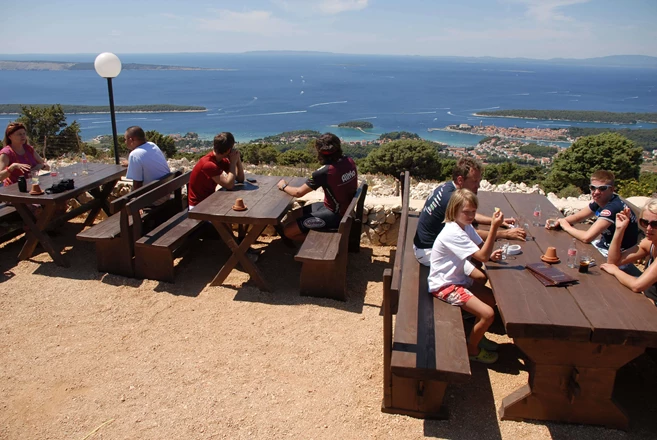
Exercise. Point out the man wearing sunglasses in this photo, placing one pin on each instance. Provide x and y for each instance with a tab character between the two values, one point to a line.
604	206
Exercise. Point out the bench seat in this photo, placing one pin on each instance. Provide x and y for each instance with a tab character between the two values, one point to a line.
323	254
114	236
428	349
155	251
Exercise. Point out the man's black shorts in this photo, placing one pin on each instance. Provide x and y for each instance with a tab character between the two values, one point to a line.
318	217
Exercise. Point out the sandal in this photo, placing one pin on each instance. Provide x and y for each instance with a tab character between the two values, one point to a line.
485	357
488	345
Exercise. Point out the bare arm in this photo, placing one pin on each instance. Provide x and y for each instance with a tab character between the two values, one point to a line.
41	164
590	234
6	169
294	191
579	216
484	253
235	171
637	284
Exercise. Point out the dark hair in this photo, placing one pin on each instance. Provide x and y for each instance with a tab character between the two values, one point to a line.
12	128
136	132
223	142
329	148
464	166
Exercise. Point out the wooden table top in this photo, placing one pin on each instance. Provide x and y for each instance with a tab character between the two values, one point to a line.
99	174
265	203
597	309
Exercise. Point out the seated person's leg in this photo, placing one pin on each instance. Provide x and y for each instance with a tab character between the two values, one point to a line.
314	216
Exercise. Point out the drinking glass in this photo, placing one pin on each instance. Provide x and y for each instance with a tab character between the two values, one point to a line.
54	170
504	245
537	215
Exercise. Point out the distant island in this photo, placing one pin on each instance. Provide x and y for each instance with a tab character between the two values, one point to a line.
573	115
62	65
356	124
14	109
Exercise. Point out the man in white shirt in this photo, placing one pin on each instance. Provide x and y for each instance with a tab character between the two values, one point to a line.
146	162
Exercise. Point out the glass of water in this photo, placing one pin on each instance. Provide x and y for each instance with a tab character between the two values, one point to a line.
537	215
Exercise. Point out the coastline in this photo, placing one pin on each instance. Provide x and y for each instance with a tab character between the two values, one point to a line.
500	136
123	112
557	119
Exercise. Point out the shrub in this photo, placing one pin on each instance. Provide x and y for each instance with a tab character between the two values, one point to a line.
570	191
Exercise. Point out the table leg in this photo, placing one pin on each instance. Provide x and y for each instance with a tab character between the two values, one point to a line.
570	382
101	195
239	254
37	235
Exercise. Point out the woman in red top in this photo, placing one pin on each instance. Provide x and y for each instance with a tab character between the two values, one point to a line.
17	158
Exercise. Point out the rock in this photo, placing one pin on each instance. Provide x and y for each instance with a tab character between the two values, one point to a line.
391	218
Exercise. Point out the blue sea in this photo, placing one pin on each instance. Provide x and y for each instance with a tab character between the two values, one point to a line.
262	94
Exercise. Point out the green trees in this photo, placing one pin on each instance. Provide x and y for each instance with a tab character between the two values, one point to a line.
505	171
296	157
607	151
396	135
48	131
259	153
418	157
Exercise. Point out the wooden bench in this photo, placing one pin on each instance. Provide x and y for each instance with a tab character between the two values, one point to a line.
11	224
324	254
155	251
428	349
113	236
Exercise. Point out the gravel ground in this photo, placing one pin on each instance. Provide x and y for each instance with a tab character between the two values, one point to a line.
86	355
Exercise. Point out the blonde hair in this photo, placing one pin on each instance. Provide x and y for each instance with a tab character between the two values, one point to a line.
651	205
459	198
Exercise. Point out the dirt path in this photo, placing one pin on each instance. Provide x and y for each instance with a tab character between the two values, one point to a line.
83	353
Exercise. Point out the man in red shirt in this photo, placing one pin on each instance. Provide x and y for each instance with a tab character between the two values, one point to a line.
221	166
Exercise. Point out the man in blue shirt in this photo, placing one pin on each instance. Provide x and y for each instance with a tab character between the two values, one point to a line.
466	174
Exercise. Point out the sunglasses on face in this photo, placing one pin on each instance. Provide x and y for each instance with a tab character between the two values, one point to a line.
645	223
601	188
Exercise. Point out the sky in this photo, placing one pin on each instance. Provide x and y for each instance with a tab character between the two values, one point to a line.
540	29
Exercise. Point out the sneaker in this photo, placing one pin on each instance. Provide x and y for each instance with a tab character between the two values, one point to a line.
485	357
488	345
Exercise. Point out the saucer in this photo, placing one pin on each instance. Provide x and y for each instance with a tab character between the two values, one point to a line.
550	260
237	208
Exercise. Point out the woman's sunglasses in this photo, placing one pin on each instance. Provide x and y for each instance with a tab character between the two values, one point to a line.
601	187
645	223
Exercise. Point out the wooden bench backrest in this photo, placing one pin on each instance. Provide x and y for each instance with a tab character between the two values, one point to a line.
117	204
350	218
132	209
397	267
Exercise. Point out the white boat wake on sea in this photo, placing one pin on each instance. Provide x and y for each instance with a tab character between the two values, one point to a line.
327	103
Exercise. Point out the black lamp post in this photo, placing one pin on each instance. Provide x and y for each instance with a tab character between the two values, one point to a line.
108	66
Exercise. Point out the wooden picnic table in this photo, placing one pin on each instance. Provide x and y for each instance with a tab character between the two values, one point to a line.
576	337
266	205
99	182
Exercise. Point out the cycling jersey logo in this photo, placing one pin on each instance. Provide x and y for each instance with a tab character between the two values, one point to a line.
348	176
605	213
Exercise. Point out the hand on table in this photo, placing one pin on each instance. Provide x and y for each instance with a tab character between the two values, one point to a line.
609	268
23	167
514	234
281	183
509	221
124	162
563	223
